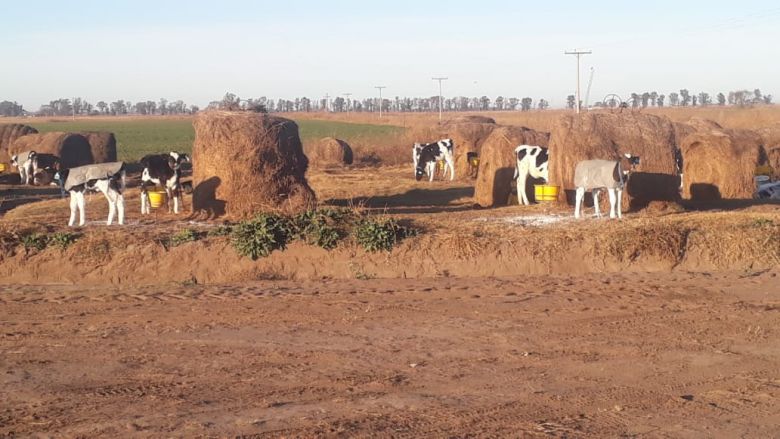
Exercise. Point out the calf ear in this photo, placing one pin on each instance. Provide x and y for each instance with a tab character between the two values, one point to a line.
628	156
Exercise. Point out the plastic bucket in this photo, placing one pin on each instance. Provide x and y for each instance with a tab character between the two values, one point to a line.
2	167
545	193
474	162
156	198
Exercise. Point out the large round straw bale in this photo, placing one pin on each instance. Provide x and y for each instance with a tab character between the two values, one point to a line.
473	119
248	162
72	149
330	151
721	163
103	145
608	136
467	137
497	163
9	133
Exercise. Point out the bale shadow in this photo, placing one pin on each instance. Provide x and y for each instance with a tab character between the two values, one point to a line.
413	201
646	187
8	205
502	186
705	192
204	199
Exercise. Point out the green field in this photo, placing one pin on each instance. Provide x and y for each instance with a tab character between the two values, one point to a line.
138	137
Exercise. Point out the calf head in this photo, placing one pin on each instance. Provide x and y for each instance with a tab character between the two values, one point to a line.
176	159
425	155
44	177
60	176
632	162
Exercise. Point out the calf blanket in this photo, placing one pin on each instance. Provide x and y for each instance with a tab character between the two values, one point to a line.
83	174
595	174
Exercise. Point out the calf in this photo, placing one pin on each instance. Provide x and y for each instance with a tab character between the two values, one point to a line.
162	170
24	164
428	154
598	175
43	167
108	178
429	168
531	162
678	161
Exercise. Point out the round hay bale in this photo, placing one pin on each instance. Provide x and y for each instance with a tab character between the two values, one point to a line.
247	162
8	134
330	151
608	136
103	145
720	164
468	133
497	163
72	149
472	119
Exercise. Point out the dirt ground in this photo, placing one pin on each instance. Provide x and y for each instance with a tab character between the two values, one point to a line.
628	355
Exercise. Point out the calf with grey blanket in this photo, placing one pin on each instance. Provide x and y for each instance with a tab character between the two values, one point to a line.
599	175
108	178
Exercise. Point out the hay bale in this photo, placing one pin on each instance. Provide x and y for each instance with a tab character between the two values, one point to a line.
721	163
72	149
468	137
472	119
609	136
8	134
248	162
773	160
103	145
330	151
497	163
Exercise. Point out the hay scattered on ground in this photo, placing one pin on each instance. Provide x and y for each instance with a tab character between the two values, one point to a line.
8	134
72	149
248	162
497	163
608	136
102	144
721	164
329	151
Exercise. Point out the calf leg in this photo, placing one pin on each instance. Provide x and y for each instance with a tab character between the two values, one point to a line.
73	208
522	197
611	193
82	208
619	203
579	195
176	194
452	168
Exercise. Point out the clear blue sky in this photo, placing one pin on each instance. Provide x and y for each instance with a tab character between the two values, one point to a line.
198	50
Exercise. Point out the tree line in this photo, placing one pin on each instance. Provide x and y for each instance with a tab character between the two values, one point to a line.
339	104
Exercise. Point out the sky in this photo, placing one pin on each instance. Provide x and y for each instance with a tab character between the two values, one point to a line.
199	50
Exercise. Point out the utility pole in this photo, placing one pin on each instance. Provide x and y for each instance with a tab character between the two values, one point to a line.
578	53
380	87
327	103
349	101
440	97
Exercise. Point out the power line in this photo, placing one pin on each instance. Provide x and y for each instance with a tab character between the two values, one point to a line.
440	97
578	53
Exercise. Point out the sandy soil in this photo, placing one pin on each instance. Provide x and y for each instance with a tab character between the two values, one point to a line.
637	355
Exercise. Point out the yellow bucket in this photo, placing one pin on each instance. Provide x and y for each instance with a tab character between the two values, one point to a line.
764	170
2	167
545	193
474	162
441	165
156	198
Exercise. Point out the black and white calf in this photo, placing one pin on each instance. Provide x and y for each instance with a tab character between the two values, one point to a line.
44	166
598	175
426	156
23	163
678	161
531	162
108	178
163	170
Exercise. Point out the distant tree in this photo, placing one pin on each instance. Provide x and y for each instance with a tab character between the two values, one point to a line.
543	104
513	103
721	99
645	99
695	100
102	106
686	97
635	100
484	103
704	99
8	108
768	99
194	109
757	98
230	102
742	98
499	103
732	98
571	101
526	104
674	99
661	99
654	98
